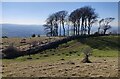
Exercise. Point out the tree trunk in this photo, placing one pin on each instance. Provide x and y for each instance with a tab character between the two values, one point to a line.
89	30
78	27
51	32
63	28
86	59
85	26
99	29
68	30
60	29
51	29
56	29
82	26
104	31
74	29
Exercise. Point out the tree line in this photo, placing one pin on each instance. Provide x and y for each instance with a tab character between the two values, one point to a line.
81	20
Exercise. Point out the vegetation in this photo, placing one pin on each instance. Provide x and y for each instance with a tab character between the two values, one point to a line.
68	56
10	52
33	35
103	46
104	24
81	20
53	21
4	37
63	50
87	51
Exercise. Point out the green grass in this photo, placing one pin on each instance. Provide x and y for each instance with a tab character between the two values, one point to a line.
102	42
105	53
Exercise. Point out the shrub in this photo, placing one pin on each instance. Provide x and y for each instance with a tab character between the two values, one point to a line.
38	35
45	55
4	37
53	54
87	52
62	59
33	35
11	52
29	58
78	54
70	52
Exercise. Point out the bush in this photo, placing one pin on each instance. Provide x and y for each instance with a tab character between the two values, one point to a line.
96	33
78	54
62	59
4	37
45	55
33	35
29	58
11	52
53	54
38	35
87	52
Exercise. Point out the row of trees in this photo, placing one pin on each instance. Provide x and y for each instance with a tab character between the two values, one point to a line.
80	19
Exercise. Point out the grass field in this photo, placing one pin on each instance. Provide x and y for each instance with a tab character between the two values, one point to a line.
65	60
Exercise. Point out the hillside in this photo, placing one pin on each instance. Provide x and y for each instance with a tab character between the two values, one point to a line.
65	60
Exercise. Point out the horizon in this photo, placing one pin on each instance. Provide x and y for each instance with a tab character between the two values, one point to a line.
29	13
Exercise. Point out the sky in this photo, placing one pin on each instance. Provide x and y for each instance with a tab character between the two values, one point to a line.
59	0
37	12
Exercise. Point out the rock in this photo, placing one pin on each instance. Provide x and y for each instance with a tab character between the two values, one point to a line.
62	59
50	64
74	74
60	70
77	66
66	69
70	62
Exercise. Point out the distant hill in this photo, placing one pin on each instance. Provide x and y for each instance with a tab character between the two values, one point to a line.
14	30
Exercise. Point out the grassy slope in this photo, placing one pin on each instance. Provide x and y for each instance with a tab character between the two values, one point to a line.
105	46
55	62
